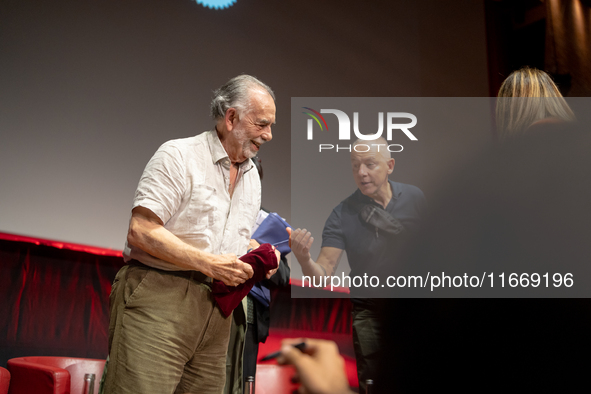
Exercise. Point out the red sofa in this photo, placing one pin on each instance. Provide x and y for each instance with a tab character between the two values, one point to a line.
4	380
52	375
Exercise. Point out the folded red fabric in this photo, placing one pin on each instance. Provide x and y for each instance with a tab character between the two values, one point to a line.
262	259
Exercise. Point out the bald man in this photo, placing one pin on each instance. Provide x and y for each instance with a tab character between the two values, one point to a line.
370	225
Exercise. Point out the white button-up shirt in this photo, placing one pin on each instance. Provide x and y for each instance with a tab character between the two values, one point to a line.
186	185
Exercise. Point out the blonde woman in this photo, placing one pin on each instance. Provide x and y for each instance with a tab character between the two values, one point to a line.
529	96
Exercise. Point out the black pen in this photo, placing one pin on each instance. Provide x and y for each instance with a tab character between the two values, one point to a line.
301	346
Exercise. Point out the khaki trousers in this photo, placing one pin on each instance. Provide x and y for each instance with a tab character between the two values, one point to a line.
166	335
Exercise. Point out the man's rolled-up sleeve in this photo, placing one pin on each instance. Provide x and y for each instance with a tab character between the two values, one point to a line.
162	185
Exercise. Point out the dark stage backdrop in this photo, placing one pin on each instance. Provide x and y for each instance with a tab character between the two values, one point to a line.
90	89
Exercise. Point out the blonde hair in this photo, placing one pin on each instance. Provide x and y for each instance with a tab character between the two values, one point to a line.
527	96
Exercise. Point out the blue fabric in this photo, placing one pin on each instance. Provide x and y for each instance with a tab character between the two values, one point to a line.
261	293
272	231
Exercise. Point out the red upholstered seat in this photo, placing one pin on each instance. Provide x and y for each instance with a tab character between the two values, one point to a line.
274	379
52	375
4	380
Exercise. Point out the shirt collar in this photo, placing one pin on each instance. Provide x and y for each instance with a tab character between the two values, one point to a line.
396	190
219	154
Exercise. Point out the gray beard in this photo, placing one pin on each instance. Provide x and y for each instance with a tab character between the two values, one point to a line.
248	152
246	149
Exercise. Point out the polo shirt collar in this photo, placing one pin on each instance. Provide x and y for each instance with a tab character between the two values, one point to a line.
396	190
218	153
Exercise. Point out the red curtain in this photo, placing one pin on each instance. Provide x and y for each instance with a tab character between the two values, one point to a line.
54	301
320	314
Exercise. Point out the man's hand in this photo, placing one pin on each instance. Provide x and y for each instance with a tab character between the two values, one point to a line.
229	269
270	273
253	244
320	367
300	242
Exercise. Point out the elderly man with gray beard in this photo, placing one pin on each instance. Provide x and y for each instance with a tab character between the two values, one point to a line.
192	213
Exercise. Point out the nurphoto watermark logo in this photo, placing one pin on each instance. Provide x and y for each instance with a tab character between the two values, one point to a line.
392	125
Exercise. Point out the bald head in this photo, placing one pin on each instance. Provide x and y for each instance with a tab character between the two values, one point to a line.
379	145
371	163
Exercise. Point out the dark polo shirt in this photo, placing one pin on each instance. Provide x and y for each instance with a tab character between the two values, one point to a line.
370	250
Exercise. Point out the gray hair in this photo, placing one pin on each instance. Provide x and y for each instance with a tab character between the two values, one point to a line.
235	93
